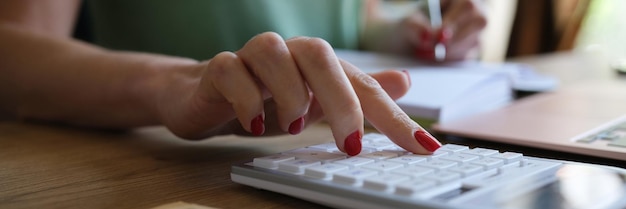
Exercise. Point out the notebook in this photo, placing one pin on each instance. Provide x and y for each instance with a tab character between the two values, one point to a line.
445	92
587	118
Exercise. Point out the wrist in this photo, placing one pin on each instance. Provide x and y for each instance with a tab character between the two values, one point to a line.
166	82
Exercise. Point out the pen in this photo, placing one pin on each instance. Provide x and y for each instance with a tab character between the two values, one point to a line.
434	11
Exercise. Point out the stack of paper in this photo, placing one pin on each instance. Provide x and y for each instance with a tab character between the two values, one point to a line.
446	94
442	93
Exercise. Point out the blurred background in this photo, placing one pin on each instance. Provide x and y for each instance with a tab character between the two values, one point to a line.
530	27
527	27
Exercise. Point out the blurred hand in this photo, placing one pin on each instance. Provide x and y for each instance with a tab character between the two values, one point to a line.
462	22
273	86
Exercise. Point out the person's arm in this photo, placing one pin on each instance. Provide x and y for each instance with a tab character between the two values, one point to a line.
269	86
53	18
45	75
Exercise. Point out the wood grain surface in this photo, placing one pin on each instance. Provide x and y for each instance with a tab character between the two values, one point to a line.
58	167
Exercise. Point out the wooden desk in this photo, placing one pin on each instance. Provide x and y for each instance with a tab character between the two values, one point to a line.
53	167
573	67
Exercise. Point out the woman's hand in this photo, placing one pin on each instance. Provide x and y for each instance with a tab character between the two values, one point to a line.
461	25
273	86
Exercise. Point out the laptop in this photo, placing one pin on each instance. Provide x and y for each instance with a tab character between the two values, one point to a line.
588	118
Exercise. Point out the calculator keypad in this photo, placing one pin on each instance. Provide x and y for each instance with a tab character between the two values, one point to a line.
386	168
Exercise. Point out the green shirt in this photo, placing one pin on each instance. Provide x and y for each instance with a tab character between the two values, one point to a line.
200	29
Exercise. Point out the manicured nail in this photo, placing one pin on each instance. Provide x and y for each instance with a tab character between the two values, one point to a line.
425	39
424	36
427	141
426	54
445	34
408	76
296	126
257	125
352	145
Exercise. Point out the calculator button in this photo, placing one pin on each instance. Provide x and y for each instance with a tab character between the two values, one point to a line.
408	159
327	147
435	155
380	155
384	182
467	169
271	161
411	187
437	164
480	152
440	153
353	177
296	166
453	148
509	157
374	137
488	162
314	154
324	171
458	157
443	176
413	171
379	145
354	161
383	166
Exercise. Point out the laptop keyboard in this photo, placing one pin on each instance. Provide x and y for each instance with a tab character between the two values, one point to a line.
614	135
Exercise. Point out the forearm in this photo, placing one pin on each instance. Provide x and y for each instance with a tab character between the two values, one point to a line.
68	81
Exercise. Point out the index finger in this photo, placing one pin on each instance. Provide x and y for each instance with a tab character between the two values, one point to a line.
331	87
386	116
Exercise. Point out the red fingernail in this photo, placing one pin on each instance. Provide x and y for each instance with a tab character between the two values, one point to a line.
445	35
426	40
352	145
408	76
427	141
296	126
424	36
427	54
257	125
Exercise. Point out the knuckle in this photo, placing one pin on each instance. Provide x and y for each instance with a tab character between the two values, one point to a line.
351	107
266	40
297	38
315	47
220	65
318	46
366	84
344	108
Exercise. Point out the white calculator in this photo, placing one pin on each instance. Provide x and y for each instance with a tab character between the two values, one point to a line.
384	175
